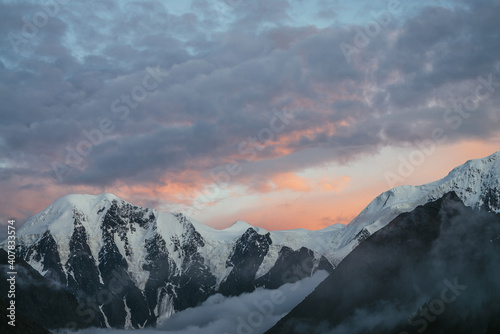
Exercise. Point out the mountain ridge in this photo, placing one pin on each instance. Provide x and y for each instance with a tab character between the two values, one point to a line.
394	282
167	262
84	241
476	183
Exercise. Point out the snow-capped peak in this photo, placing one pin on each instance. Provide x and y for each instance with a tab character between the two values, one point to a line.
83	202
476	182
99	233
241	226
489	164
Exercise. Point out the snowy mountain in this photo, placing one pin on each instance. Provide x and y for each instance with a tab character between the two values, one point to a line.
434	269
131	267
476	183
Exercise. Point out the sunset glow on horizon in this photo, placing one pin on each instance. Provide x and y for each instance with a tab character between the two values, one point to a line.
284	115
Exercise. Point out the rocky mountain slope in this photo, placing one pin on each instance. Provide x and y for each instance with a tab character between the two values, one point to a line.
435	268
476	183
55	306
132	267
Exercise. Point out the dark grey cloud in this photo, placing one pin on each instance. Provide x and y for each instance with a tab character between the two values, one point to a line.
229	67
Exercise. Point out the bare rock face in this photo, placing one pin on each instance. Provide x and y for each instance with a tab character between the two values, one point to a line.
130	267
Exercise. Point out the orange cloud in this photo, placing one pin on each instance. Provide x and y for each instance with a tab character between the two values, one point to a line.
312	202
309	210
290	181
180	188
334	184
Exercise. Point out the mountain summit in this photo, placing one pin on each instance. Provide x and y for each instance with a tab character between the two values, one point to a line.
476	183
432	269
130	266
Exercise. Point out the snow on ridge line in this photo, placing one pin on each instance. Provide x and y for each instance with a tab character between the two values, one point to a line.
373	217
334	242
239	225
59	217
85	203
461	179
56	216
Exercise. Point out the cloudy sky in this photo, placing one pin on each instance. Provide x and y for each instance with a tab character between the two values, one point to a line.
285	113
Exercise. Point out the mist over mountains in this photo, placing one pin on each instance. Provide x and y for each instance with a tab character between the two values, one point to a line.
132	267
435	268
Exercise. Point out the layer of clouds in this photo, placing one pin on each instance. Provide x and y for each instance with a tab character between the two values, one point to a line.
253	312
230	67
